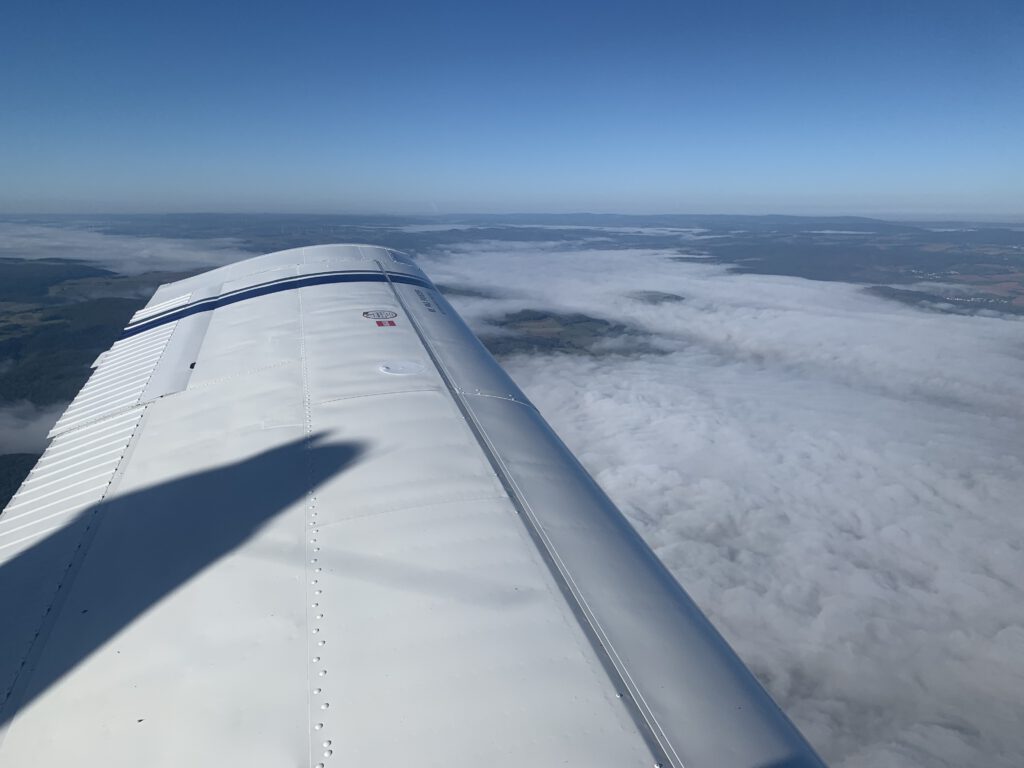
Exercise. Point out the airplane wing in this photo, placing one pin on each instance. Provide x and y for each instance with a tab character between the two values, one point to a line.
299	516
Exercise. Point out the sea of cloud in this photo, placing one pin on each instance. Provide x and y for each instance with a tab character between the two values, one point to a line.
126	254
837	479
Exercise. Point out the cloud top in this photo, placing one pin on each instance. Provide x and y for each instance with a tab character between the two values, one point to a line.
126	254
24	426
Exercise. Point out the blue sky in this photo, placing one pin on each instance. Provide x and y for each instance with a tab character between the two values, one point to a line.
886	108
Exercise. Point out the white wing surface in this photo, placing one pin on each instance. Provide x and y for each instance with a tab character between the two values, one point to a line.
299	516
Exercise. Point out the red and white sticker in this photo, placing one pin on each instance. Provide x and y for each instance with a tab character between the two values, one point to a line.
385	318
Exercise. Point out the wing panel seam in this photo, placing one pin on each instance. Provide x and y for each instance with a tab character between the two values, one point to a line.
51	611
642	716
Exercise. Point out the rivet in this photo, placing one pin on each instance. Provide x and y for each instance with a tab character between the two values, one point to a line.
319	765
316	659
316	605
313	560
318	726
317	690
318	592
319	615
322	672
322	642
318	570
328	752
325	705
327	743
316	549
316	630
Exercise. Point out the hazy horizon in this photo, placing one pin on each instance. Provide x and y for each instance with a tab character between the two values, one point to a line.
1014	219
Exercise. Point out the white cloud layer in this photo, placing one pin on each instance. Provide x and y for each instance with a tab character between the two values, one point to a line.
122	253
836	479
23	426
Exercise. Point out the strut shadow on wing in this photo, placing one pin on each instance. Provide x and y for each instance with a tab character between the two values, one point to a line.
164	536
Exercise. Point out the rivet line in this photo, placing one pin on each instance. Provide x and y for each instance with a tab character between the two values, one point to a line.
315	682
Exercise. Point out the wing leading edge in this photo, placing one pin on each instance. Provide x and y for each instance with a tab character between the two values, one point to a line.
300	516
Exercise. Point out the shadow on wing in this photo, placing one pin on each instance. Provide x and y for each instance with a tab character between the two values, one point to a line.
136	549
